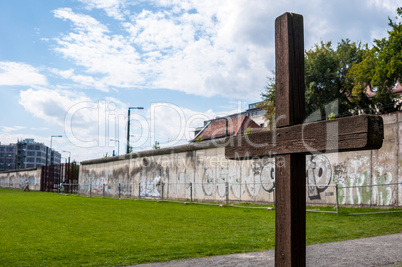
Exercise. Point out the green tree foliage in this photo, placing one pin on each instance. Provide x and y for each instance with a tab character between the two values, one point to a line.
249	130
326	76
343	80
268	102
325	79
379	71
156	145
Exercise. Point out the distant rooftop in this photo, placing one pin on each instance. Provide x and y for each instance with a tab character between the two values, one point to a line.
226	126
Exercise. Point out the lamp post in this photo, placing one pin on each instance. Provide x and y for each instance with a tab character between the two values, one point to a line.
69	155
128	128
118	143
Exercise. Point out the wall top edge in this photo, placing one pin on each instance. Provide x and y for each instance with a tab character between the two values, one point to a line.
21	170
162	151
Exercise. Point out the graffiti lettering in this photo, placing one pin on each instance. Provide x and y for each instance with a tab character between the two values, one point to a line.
318	173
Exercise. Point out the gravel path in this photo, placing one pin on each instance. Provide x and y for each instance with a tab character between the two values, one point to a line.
373	251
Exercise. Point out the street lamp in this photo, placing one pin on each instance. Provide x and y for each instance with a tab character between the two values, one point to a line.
118	147
69	155
128	127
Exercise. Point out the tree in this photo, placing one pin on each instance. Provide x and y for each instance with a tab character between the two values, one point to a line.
156	145
326	77
268	102
380	71
350	79
326	80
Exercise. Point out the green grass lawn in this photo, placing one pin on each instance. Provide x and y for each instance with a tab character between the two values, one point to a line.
47	229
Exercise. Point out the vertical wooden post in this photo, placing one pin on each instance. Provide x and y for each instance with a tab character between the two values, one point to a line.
290	177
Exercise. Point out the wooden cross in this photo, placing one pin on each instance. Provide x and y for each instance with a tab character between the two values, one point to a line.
292	140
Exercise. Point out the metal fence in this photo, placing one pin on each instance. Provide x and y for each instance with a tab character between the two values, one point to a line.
259	193
53	176
68	189
18	183
221	192
380	195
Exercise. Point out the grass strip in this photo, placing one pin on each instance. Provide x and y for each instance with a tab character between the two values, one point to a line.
48	229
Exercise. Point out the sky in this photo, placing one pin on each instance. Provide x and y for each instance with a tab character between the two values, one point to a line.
73	68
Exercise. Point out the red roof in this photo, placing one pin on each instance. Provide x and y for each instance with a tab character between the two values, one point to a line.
235	125
396	90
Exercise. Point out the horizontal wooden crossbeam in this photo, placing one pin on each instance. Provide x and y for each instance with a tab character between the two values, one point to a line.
345	134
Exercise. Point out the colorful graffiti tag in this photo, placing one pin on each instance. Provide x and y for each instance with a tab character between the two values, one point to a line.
151	188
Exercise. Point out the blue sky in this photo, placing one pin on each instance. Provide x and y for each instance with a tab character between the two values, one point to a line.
72	68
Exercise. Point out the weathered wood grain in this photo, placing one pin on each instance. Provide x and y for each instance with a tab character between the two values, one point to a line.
351	133
290	215
289	70
290	211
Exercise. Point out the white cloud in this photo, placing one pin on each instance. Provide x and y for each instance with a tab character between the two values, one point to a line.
173	125
59	144
185	52
83	122
65	74
81	22
8	129
205	47
387	4
17	73
109	59
87	125
111	7
45	104
12	138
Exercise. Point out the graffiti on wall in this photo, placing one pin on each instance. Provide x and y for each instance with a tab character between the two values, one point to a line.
357	187
214	181
267	177
318	175
151	188
382	194
208	182
248	180
19	178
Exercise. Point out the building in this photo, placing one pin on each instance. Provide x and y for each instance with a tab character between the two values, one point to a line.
232	125
256	114
27	154
8	155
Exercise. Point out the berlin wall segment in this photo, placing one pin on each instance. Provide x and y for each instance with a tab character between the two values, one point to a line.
253	180
315	171
256	178
17	178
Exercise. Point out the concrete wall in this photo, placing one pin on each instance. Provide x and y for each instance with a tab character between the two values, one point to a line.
357	174
16	179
